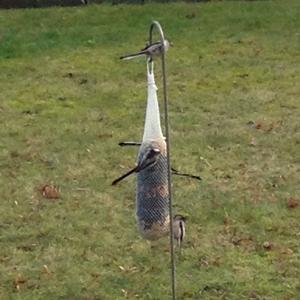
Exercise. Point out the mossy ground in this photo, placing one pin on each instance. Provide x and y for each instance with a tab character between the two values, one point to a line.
65	103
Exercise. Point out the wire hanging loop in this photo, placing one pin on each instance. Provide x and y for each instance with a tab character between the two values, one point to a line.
156	25
150	65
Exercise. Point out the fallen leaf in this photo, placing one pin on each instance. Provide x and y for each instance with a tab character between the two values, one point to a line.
19	281
121	268
292	203
46	269
267	246
124	292
287	251
258	125
253	142
50	191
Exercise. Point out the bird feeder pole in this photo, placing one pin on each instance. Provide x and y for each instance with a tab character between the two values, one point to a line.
156	25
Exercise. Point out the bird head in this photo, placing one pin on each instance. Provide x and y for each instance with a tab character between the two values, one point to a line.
180	218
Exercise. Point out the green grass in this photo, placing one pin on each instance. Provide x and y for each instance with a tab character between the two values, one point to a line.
234	109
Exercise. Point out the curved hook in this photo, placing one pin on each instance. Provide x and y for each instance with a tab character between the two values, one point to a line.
156	25
160	31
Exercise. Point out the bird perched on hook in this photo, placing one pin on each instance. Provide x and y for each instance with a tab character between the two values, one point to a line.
179	229
150	51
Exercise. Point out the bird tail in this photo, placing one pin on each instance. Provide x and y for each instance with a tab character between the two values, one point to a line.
124	176
130	56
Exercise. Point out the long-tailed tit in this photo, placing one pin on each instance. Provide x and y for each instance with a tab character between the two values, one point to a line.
148	159
179	229
174	171
151	51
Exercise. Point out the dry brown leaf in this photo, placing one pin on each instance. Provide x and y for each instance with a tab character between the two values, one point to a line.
287	251
50	191
19	281
258	125
267	246
292	203
253	142
46	269
125	292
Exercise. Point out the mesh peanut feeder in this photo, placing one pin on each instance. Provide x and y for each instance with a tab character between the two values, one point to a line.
152	196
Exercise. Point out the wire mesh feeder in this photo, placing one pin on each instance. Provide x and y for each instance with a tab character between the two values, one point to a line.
152	196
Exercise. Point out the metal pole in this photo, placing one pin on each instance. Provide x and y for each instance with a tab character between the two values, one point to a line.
164	71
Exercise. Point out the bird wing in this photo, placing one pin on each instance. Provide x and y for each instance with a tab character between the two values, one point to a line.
151	45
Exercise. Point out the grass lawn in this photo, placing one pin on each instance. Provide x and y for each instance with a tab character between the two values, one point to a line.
66	101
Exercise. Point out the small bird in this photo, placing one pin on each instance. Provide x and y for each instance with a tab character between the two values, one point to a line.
179	229
151	51
147	160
